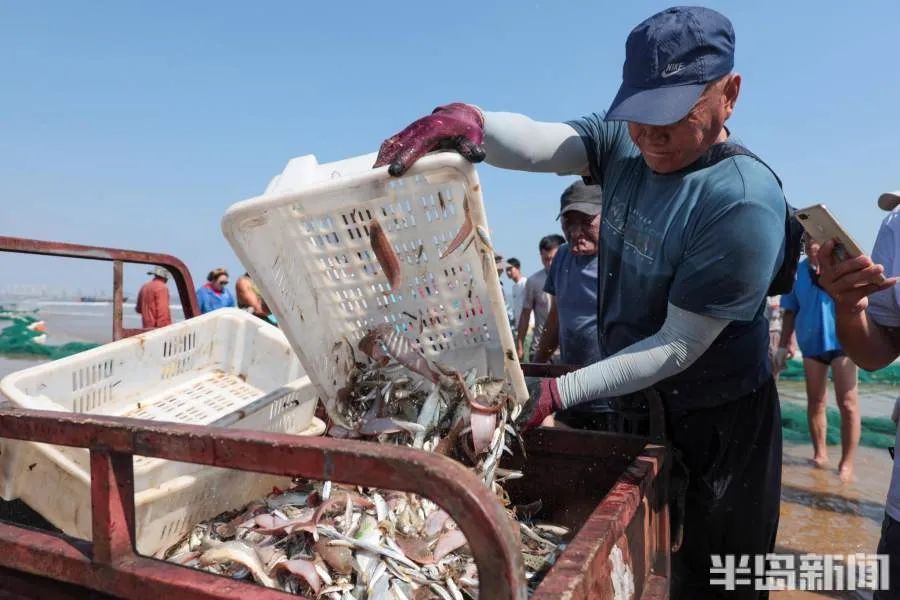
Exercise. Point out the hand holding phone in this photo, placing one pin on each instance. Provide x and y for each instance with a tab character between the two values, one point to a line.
822	226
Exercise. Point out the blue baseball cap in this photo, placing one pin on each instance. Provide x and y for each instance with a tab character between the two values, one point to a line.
669	60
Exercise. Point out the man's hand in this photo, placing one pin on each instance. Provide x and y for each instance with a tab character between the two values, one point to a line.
780	359
455	126
520	350
543	400
850	282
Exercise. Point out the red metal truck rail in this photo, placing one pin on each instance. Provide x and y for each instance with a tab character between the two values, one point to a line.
110	564
609	488
180	274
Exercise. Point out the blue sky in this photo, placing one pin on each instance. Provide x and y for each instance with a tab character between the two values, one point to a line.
137	124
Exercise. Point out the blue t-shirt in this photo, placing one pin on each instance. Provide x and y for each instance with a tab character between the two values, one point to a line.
210	300
708	241
814	314
573	280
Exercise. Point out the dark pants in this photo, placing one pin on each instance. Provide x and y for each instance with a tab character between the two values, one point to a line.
725	484
890	544
729	459
625	414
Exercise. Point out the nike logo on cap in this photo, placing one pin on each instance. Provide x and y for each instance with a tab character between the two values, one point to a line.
672	69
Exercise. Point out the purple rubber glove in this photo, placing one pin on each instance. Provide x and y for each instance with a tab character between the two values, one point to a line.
543	400
455	126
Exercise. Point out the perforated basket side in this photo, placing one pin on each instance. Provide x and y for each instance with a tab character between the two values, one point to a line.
311	254
198	371
166	513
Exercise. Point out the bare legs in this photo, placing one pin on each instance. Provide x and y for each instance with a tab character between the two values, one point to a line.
816	394
845	390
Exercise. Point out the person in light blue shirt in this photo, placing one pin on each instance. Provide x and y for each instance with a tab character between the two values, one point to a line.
214	294
809	311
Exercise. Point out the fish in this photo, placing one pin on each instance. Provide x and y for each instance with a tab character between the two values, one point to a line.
385	254
464	232
427	416
239	552
453	589
553	529
435	522
349	543
338	558
448	542
303	568
383	342
484	237
534	536
364	544
390	425
483	427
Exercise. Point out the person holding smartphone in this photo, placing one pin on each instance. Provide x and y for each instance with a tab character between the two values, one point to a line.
867	313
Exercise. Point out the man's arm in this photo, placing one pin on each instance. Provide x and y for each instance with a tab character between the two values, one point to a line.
788	318
514	141
682	339
522	331
867	343
549	341
247	297
850	283
786	344
203	301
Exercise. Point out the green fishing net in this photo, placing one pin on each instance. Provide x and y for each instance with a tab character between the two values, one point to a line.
888	375
877	432
20	338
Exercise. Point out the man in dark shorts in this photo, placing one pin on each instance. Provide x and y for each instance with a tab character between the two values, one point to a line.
809	311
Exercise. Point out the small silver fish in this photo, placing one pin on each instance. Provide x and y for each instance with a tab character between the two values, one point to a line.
241	553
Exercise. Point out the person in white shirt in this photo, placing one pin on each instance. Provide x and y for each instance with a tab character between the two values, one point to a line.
536	301
514	272
867	311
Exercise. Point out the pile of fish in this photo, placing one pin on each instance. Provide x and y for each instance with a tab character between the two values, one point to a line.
323	540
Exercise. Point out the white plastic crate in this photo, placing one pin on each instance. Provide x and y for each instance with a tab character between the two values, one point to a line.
225	368
306	244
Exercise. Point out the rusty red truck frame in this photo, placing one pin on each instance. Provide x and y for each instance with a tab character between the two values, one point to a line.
608	488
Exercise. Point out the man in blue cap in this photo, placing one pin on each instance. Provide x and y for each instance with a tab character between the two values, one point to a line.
693	234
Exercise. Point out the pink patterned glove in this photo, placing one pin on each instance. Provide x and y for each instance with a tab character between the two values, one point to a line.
455	126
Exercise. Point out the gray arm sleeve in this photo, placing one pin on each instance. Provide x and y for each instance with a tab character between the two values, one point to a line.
683	337
514	141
